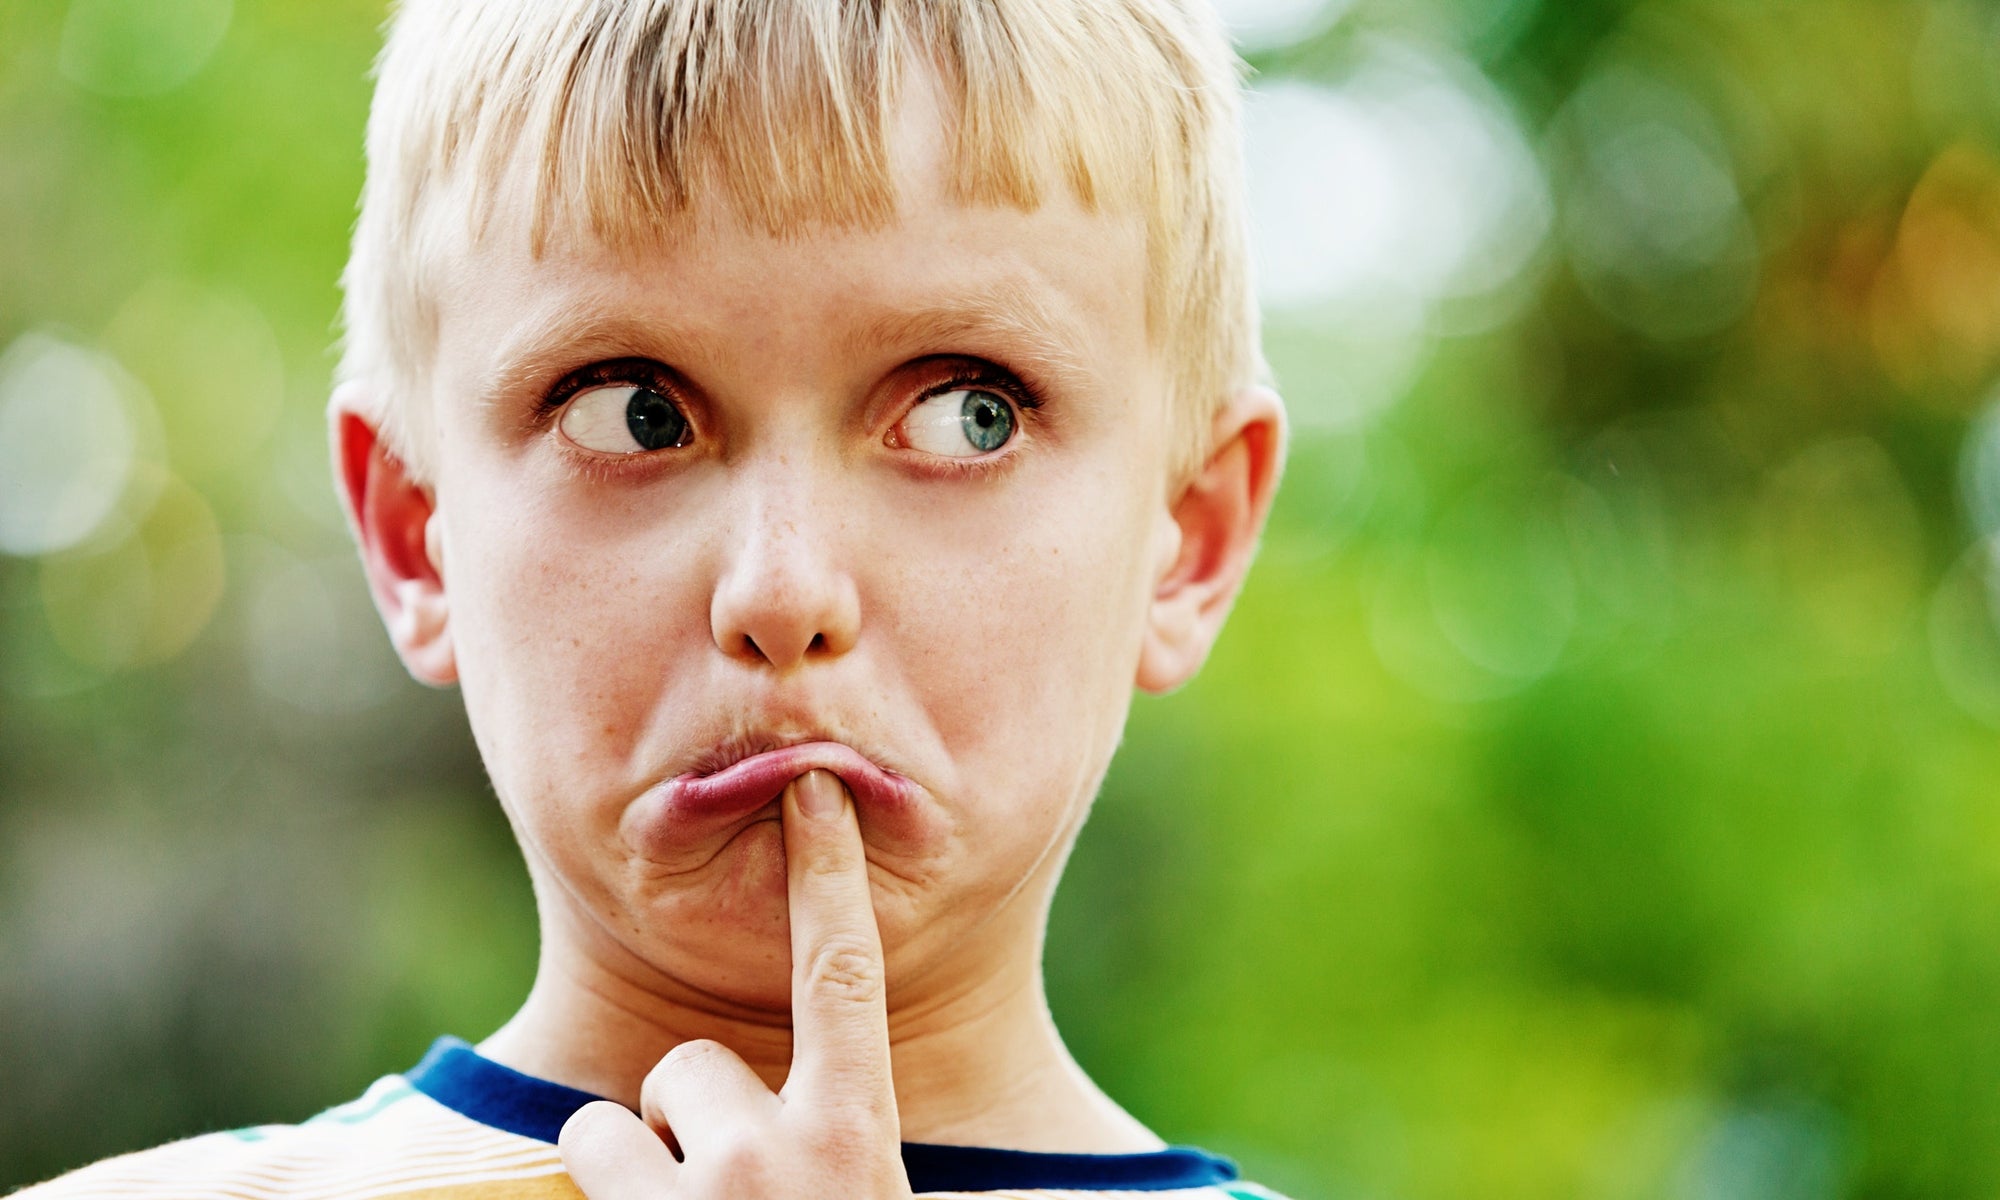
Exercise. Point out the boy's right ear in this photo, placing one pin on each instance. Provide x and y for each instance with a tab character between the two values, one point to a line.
392	517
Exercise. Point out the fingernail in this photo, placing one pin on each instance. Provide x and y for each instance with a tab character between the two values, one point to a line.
819	794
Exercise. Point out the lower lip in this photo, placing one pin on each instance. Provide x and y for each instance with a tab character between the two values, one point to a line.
685	807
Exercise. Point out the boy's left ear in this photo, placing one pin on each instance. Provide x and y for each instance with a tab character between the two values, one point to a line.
1209	535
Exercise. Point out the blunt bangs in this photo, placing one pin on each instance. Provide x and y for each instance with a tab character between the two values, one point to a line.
626	112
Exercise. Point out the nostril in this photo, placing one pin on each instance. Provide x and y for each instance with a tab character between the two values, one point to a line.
817	644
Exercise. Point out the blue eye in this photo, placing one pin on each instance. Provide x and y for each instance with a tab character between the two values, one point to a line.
961	423
624	419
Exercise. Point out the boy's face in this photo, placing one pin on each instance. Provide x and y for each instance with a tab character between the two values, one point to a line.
802	558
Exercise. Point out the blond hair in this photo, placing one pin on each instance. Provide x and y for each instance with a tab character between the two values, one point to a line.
628	109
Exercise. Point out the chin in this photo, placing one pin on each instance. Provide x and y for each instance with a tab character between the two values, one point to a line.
727	932
740	893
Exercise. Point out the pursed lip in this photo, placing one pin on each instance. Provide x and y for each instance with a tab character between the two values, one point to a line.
749	784
681	811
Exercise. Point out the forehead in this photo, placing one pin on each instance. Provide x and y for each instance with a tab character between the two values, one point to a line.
1058	281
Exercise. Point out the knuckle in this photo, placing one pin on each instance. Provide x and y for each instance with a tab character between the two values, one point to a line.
844	1134
592	1130
846	970
857	1149
699	1052
680	1063
824	860
741	1158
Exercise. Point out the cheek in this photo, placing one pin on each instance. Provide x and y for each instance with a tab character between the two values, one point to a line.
1020	631
566	644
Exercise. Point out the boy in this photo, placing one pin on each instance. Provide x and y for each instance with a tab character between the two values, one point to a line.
796	426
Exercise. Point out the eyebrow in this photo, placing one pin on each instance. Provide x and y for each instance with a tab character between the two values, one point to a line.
1033	331
570	338
1035	337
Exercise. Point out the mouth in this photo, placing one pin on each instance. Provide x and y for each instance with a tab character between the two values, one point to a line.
696	809
751	783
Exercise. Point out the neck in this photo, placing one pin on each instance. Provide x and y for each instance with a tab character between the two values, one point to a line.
977	1063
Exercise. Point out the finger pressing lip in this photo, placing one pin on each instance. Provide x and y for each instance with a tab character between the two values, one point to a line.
840	1022
681	815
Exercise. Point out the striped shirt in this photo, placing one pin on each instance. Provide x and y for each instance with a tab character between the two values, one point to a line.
458	1126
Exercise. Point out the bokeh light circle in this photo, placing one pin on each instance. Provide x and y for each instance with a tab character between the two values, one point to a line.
68	442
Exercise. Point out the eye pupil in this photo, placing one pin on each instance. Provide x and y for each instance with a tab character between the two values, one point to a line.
654	421
987	420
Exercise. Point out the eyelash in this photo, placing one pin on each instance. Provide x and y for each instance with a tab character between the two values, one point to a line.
1023	395
1025	398
641	371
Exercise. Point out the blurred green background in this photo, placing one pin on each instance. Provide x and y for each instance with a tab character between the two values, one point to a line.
1593	797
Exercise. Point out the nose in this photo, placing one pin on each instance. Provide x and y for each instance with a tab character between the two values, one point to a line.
782	599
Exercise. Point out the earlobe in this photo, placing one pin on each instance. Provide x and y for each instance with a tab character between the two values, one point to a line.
393	518
1209	535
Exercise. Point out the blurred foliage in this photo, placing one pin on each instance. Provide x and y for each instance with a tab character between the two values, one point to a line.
1593	795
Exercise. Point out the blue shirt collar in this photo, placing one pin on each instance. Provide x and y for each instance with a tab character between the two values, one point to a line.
456	1076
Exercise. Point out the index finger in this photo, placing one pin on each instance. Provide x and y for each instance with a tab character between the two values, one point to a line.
840	1019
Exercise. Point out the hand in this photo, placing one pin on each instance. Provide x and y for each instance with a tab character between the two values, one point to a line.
833	1129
